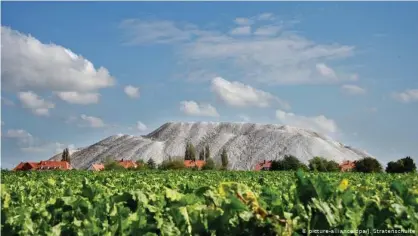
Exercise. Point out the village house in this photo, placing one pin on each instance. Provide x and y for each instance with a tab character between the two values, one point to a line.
128	164
347	166
125	163
43	165
191	164
265	165
96	167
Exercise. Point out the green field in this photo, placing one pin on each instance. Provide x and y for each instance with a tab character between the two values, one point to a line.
206	203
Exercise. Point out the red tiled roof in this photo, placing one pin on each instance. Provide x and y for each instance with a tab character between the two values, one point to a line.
198	163
347	165
97	167
266	165
128	164
43	165
50	165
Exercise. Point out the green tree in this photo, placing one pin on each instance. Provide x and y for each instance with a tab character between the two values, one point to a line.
192	152
187	152
65	155
207	153
111	164
209	165
409	164
403	165
368	165
202	155
141	165
288	163
177	164
224	159
323	165
151	163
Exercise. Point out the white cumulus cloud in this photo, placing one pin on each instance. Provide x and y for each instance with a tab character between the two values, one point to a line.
30	64
243	21
91	121
241	95
141	126
36	104
325	70
353	89
266	16
192	108
22	136
131	91
244	118
243	30
409	95
320	124
269	30
285	58
79	98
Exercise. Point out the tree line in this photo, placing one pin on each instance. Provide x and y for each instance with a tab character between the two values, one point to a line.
177	163
289	162
365	165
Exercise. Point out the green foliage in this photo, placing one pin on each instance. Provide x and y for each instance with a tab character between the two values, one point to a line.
224	159
176	164
323	165
288	163
209	165
368	165
403	165
111	164
205	203
151	164
140	162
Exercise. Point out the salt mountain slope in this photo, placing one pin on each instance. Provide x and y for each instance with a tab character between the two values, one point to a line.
246	143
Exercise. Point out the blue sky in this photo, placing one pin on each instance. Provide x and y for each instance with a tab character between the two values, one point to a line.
75	73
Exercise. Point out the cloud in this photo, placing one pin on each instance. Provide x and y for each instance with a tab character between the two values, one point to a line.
93	122
18	133
30	144
353	89
241	95
320	123
326	71
155	31
48	147
30	64
192	108
265	16
141	126
79	98
243	21
243	30
32	101
131	91
287	58
269	30
7	102
409	95
244	118
71	119
22	136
